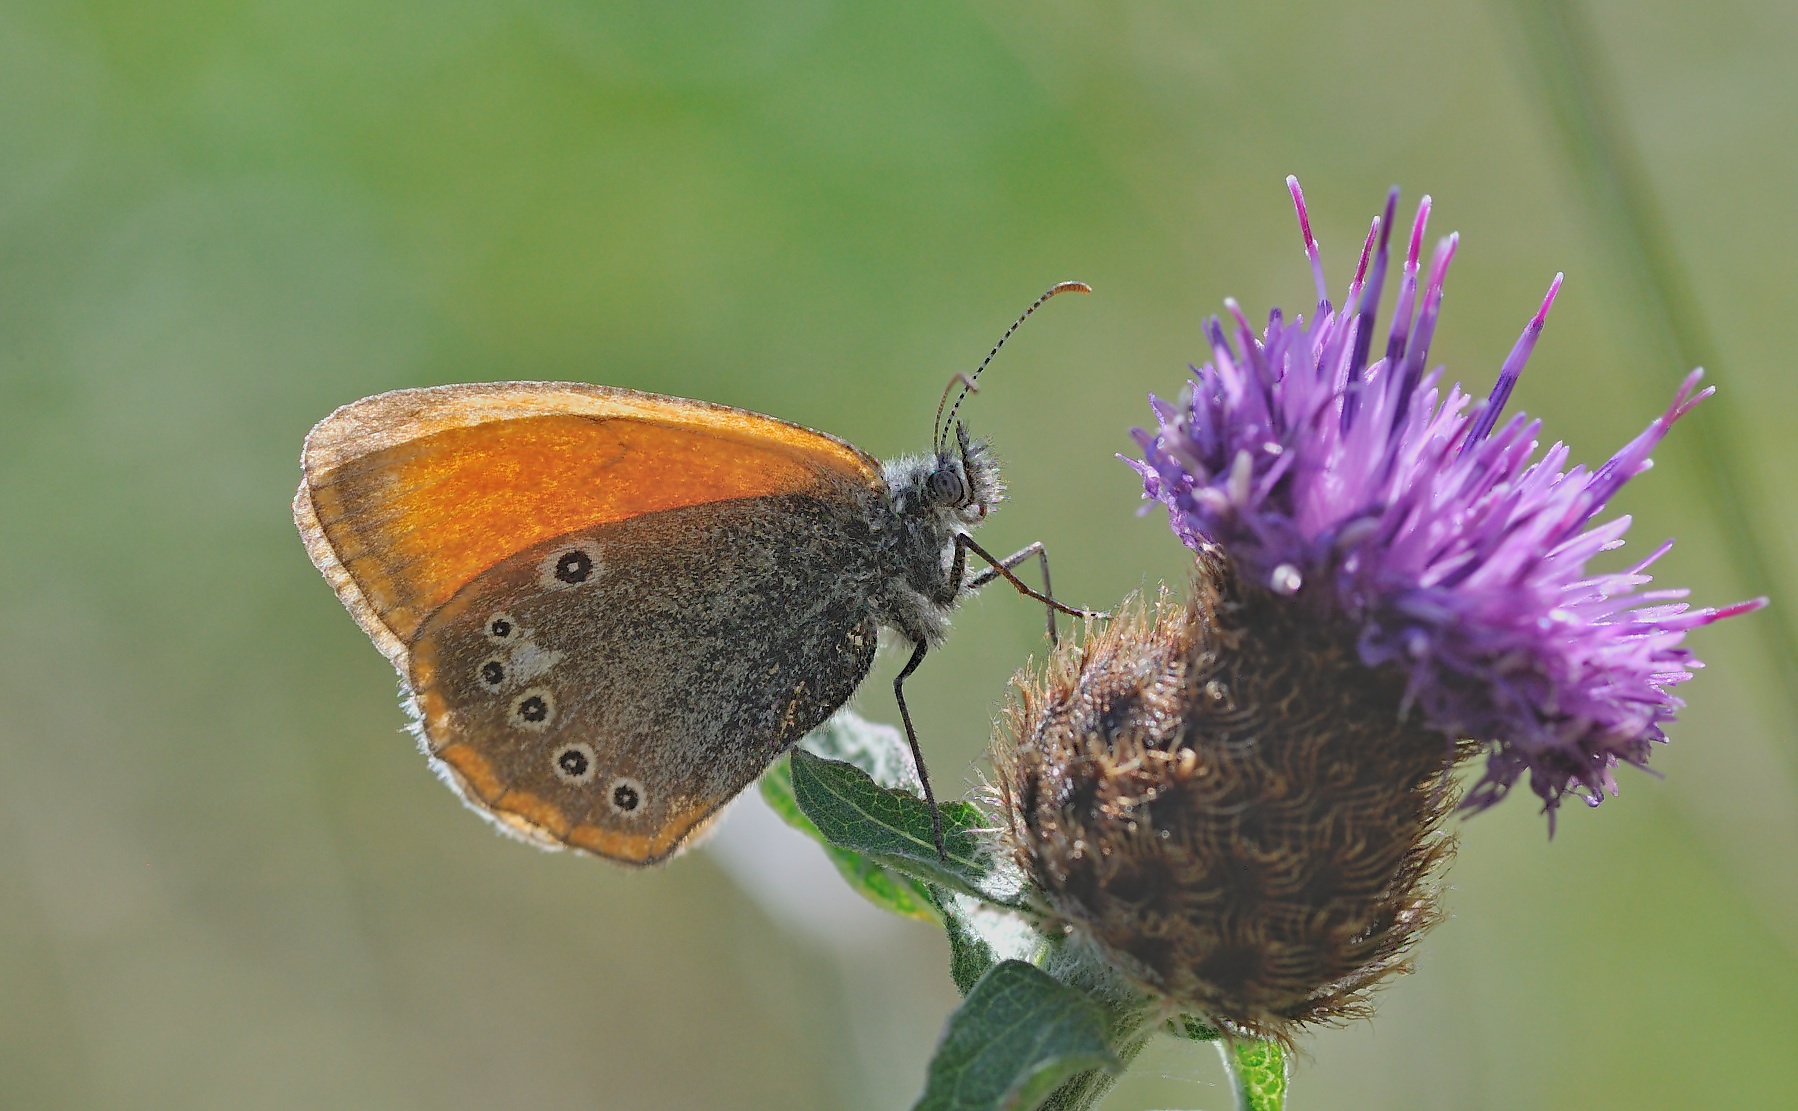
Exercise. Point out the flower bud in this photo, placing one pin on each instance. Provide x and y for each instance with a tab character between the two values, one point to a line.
1230	804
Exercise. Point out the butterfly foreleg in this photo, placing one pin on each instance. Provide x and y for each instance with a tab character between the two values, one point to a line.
1002	568
1042	559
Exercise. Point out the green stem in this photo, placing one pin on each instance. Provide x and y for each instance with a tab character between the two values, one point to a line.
1563	50
1132	1019
1258	1074
1087	1089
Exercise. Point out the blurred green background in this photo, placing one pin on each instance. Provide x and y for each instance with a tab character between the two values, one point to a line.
226	878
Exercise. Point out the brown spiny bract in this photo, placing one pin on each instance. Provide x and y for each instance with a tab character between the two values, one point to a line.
1229	802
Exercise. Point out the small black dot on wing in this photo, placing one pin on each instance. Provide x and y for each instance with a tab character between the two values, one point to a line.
571	566
626	797
533	710
574	567
574	763
501	628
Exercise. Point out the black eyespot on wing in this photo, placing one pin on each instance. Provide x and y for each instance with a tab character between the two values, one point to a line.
569	566
533	710
492	673
574	763
626	797
574	566
501	628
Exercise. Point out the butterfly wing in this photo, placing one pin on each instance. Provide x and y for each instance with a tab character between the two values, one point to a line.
720	619
611	689
407	496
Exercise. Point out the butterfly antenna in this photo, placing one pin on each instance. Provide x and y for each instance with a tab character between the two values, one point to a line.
940	430
967	385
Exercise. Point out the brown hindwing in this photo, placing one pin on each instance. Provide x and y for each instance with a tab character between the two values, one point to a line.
610	689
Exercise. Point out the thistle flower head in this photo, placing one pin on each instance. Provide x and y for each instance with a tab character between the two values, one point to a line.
1330	468
1221	799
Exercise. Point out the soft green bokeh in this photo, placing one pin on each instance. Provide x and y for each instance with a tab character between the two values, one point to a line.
230	882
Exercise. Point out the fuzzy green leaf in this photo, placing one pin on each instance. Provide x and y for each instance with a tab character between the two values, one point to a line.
886	889
893	826
1186	1026
880	750
1260	1071
1016	1037
982	935
970	957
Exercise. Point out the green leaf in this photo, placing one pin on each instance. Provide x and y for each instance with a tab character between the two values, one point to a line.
1260	1071
879	750
886	889
1017	1036
981	936
970	955
777	792
893	826
1186	1026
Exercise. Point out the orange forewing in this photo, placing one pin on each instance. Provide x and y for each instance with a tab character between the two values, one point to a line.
407	496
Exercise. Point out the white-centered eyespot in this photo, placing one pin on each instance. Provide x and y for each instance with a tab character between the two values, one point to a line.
533	710
491	673
626	797
574	763
501	628
569	566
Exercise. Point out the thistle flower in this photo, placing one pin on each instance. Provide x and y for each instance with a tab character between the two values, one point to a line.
1220	797
1241	800
1416	522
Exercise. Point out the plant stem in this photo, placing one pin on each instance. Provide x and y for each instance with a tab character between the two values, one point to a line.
1258	1073
1132	1018
1085	1090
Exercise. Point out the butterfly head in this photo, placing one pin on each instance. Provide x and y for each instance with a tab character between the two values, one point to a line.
963	482
951	490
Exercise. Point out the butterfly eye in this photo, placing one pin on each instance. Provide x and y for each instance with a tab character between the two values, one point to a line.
574	763
947	487
626	797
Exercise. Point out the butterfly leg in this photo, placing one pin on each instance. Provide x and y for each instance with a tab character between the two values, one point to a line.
999	567
911	737
1042	558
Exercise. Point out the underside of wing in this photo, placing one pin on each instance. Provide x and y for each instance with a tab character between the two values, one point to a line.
407	496
612	689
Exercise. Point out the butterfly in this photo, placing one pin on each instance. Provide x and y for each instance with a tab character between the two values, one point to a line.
612	610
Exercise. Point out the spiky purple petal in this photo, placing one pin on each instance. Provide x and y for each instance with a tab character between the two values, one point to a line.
1368	495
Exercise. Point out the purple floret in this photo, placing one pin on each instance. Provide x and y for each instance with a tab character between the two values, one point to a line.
1365	495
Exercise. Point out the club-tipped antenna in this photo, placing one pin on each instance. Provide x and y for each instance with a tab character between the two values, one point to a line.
940	430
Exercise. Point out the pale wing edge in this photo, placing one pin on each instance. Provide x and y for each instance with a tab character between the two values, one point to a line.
324	557
387	420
